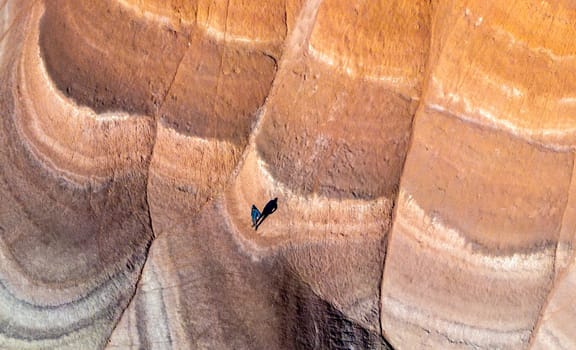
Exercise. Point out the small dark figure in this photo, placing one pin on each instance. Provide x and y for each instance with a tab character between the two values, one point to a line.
269	208
255	215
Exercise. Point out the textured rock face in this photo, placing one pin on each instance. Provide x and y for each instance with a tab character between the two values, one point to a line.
421	153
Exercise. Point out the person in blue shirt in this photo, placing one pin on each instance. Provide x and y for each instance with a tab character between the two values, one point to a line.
255	215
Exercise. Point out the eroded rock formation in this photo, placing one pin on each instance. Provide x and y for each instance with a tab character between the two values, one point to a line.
421	153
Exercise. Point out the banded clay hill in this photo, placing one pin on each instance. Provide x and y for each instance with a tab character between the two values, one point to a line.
421	153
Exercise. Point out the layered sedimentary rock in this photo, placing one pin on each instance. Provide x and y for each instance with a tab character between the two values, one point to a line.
419	154
280	270
74	220
484	193
204	124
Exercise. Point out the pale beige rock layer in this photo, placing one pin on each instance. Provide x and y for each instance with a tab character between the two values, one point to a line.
483	222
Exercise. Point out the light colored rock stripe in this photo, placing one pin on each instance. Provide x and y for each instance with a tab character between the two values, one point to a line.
426	306
34	122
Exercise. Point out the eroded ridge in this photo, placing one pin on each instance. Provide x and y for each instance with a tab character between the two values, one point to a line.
205	122
330	146
332	141
74	223
196	254
206	116
198	290
485	191
82	107
555	329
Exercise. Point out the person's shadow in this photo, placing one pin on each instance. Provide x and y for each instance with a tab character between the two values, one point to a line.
269	208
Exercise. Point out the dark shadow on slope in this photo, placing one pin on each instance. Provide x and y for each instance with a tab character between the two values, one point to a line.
269	208
313	323
228	300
